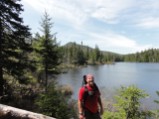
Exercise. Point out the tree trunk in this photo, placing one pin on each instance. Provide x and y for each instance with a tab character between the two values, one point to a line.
46	76
7	112
1	62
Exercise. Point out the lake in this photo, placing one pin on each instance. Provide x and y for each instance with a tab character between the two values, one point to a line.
111	77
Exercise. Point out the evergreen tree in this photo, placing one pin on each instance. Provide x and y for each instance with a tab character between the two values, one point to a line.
13	43
46	50
128	102
97	53
81	60
150	55
56	103
156	112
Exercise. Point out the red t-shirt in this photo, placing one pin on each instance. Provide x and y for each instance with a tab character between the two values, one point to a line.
91	102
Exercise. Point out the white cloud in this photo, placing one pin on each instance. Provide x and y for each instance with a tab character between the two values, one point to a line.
148	23
146	15
110	11
78	12
65	10
111	39
76	15
35	4
115	42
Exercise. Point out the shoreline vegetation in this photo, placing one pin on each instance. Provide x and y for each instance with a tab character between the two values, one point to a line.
65	67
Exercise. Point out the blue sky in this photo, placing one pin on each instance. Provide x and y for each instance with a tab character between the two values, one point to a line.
121	26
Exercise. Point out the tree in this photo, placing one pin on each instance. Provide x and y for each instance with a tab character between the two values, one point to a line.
97	53
143	56
56	103
128	101
128	104
81	60
156	113
13	45
46	50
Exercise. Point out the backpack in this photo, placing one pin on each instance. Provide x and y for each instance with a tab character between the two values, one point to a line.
86	92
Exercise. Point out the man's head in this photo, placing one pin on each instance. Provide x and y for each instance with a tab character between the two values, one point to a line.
90	79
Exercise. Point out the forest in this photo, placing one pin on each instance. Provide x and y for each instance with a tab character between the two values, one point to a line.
78	54
29	65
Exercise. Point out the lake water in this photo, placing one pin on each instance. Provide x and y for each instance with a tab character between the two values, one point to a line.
111	77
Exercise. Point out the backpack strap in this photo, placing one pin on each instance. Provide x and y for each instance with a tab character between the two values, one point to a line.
96	87
84	80
85	95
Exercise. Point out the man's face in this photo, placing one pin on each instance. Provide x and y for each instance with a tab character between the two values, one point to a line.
90	80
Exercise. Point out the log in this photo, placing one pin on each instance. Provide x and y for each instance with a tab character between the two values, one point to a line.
8	112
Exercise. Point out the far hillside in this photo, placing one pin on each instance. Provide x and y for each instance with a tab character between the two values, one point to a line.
79	54
150	55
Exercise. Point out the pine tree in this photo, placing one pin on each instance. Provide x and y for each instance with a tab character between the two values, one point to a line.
46	49
13	43
128	102
56	103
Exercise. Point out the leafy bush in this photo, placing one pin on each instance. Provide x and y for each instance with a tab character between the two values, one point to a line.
55	103
128	105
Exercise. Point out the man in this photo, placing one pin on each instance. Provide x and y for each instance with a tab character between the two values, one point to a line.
88	100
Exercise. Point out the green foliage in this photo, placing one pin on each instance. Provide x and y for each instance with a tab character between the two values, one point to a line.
20	96
151	55
55	103
113	115
13	42
15	68
46	51
95	56
156	101
80	55
156	112
128	104
128	100
81	59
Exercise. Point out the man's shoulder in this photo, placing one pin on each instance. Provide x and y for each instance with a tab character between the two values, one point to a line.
82	88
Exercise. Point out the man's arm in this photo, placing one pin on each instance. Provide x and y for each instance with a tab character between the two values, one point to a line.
80	104
101	105
80	108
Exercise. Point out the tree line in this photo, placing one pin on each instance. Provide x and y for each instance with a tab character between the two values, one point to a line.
28	65
150	55
79	54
